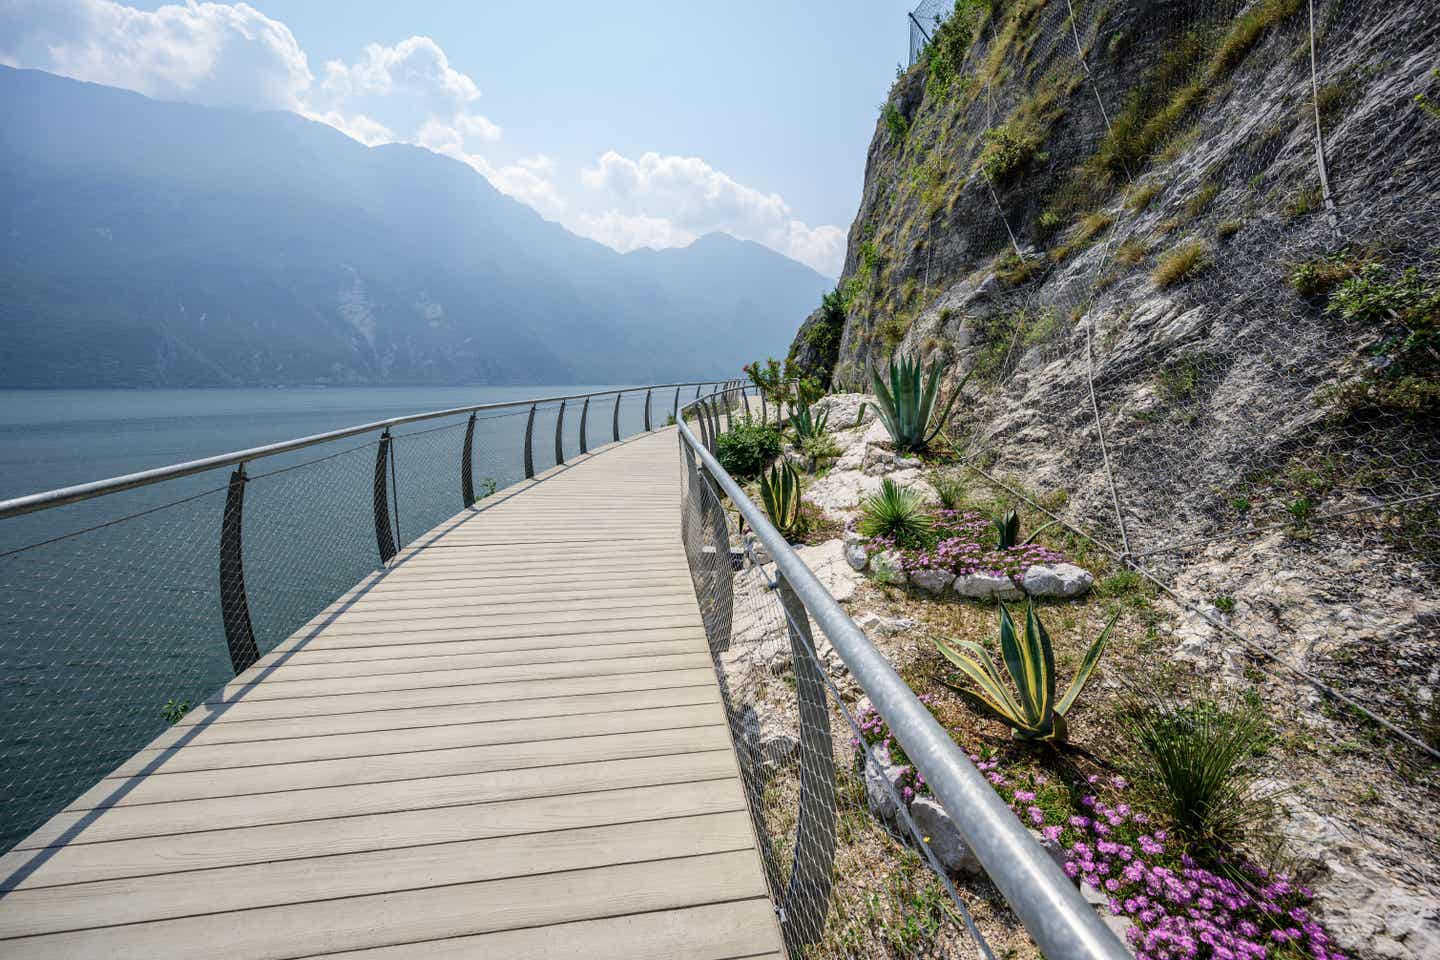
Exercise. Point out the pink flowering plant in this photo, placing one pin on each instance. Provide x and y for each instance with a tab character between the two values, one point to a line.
1226	908
962	542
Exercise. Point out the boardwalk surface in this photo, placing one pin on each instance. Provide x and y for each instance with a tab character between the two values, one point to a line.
509	744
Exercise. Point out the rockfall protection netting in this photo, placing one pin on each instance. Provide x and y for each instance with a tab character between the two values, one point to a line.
112	624
850	870
1215	320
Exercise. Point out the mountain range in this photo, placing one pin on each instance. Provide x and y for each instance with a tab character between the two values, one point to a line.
148	243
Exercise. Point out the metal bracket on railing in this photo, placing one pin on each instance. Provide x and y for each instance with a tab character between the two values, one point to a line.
615	421
234	607
559	426
647	411
384	538
467	477
584	416
529	451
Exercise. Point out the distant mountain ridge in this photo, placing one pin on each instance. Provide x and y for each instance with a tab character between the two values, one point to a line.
167	244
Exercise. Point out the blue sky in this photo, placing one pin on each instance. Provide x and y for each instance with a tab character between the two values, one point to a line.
636	124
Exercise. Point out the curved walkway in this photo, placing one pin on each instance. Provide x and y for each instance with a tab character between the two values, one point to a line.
510	743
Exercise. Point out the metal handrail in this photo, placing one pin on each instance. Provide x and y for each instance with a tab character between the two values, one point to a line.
1059	920
47	499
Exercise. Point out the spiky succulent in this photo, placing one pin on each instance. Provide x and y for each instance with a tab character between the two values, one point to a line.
1007	530
896	512
1032	713
906	404
780	494
806	424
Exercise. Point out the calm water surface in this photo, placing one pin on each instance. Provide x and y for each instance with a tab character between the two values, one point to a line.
109	609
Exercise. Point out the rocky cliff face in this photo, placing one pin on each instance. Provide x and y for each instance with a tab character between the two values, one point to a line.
1186	343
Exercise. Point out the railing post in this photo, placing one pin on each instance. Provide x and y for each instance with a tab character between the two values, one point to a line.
697	390
675	413
647	411
559	443
584	416
745	395
715	419
812	868
234	607
529	447
384	538
467	478
700	418
615	421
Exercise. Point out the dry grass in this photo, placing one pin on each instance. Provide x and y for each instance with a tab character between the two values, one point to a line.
1132	251
1180	264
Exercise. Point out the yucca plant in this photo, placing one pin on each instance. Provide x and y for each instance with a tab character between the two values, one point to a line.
950	490
906	404
1007	530
780	494
1198	761
1029	658
896	512
806	424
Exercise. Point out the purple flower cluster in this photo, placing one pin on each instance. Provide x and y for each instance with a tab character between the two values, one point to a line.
1180	909
960	548
876	733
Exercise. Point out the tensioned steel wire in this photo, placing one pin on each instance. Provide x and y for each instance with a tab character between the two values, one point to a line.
118	613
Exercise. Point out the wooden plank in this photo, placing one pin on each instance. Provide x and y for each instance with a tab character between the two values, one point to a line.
309	653
671	612
186	756
262	690
473	693
355	923
241	730
398	766
72	829
186	869
720	931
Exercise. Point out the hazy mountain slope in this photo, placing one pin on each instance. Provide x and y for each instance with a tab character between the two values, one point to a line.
160	243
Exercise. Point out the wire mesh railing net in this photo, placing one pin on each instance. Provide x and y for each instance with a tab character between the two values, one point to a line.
854	868
121	615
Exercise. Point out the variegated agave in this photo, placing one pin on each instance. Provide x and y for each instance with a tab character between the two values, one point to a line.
780	494
907	403
1007	530
1032	713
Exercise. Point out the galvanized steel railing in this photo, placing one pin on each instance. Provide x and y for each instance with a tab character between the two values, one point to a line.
758	615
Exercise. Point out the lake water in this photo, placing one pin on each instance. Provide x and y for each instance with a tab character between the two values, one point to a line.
109	609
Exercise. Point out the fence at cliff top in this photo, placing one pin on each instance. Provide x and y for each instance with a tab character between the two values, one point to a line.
126	601
1212	228
854	868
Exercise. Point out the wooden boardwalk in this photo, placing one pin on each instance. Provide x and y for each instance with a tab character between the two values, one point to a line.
508	744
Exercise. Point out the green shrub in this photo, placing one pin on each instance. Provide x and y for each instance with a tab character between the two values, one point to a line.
895	122
748	447
821	449
1033	714
1007	150
897	513
1197	762
174	711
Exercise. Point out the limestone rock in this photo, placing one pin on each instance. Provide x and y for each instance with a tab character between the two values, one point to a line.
877	626
843	409
856	556
979	586
878	772
938	831
932	582
831	567
886	568
1064	580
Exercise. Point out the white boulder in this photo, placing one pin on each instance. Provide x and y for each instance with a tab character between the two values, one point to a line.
1063	580
939	833
979	586
932	582
886	568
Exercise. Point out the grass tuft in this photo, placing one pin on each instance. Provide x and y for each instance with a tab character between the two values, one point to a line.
1180	264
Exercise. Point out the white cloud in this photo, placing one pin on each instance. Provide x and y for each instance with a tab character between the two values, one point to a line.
212	53
232	55
626	233
690	197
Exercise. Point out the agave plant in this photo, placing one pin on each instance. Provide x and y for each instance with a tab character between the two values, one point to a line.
780	493
1007	530
906	404
1030	661
896	512
806	424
